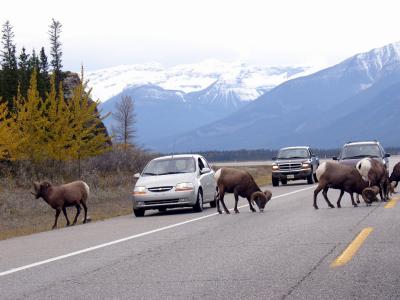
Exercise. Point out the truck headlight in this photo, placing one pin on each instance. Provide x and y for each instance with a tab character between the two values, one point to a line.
275	167
184	186
305	165
139	190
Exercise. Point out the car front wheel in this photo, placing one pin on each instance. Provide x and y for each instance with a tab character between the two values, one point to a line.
275	182
198	207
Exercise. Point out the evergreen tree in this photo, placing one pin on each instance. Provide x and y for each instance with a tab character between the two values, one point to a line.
44	79
9	78
24	71
55	51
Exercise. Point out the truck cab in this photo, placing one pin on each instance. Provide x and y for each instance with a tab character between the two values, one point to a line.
294	163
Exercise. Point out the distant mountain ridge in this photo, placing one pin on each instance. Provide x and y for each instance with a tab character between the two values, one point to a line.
203	93
248	82
323	110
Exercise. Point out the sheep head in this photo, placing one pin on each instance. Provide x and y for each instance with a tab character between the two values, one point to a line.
41	188
369	194
261	199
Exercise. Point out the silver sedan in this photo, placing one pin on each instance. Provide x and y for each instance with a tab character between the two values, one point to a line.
174	181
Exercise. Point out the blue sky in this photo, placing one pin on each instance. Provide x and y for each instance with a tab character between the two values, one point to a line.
107	33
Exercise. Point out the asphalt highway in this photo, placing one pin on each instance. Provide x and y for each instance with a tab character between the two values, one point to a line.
290	251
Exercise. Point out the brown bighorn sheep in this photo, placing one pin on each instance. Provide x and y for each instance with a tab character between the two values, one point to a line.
346	179
242	184
395	176
375	173
59	197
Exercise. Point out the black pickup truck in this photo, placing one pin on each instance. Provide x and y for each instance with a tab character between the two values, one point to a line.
294	163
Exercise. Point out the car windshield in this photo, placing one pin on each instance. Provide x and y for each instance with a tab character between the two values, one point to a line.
170	166
292	153
360	151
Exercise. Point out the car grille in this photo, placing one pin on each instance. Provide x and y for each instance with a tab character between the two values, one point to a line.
169	201
290	166
160	189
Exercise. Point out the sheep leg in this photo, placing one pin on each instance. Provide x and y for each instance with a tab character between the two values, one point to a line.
64	210
58	211
236	201
85	210
316	192
358	198
325	194
78	211
381	192
352	200
340	199
251	206
221	198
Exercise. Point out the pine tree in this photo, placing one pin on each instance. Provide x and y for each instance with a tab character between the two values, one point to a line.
43	76
24	71
9	78
55	52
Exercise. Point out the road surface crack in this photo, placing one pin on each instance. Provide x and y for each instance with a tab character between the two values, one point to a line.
293	288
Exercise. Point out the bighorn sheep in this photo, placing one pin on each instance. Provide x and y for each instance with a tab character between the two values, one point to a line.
242	184
346	179
375	173
59	197
395	176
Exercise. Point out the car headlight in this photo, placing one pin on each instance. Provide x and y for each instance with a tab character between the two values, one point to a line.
305	165
139	190
275	167
184	186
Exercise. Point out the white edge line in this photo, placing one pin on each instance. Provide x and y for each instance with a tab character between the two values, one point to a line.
39	263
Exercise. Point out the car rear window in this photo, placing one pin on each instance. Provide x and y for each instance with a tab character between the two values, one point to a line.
357	151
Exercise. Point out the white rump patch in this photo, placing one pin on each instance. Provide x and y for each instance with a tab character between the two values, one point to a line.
217	175
363	167
321	170
86	188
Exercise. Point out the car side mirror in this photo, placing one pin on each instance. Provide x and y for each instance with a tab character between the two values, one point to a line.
136	176
334	158
205	170
387	154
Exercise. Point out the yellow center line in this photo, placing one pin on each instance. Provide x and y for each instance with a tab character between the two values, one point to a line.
352	249
392	202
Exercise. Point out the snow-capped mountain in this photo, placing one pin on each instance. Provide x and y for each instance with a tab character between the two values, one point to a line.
354	100
243	81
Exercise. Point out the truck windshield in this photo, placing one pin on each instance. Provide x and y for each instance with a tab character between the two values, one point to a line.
292	153
357	151
170	166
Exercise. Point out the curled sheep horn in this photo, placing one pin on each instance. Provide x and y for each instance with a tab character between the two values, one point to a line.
369	194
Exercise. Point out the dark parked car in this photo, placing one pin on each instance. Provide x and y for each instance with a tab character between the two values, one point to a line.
353	152
294	163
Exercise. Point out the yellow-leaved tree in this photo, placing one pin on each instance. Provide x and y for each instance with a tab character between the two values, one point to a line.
58	130
8	142
30	124
88	135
